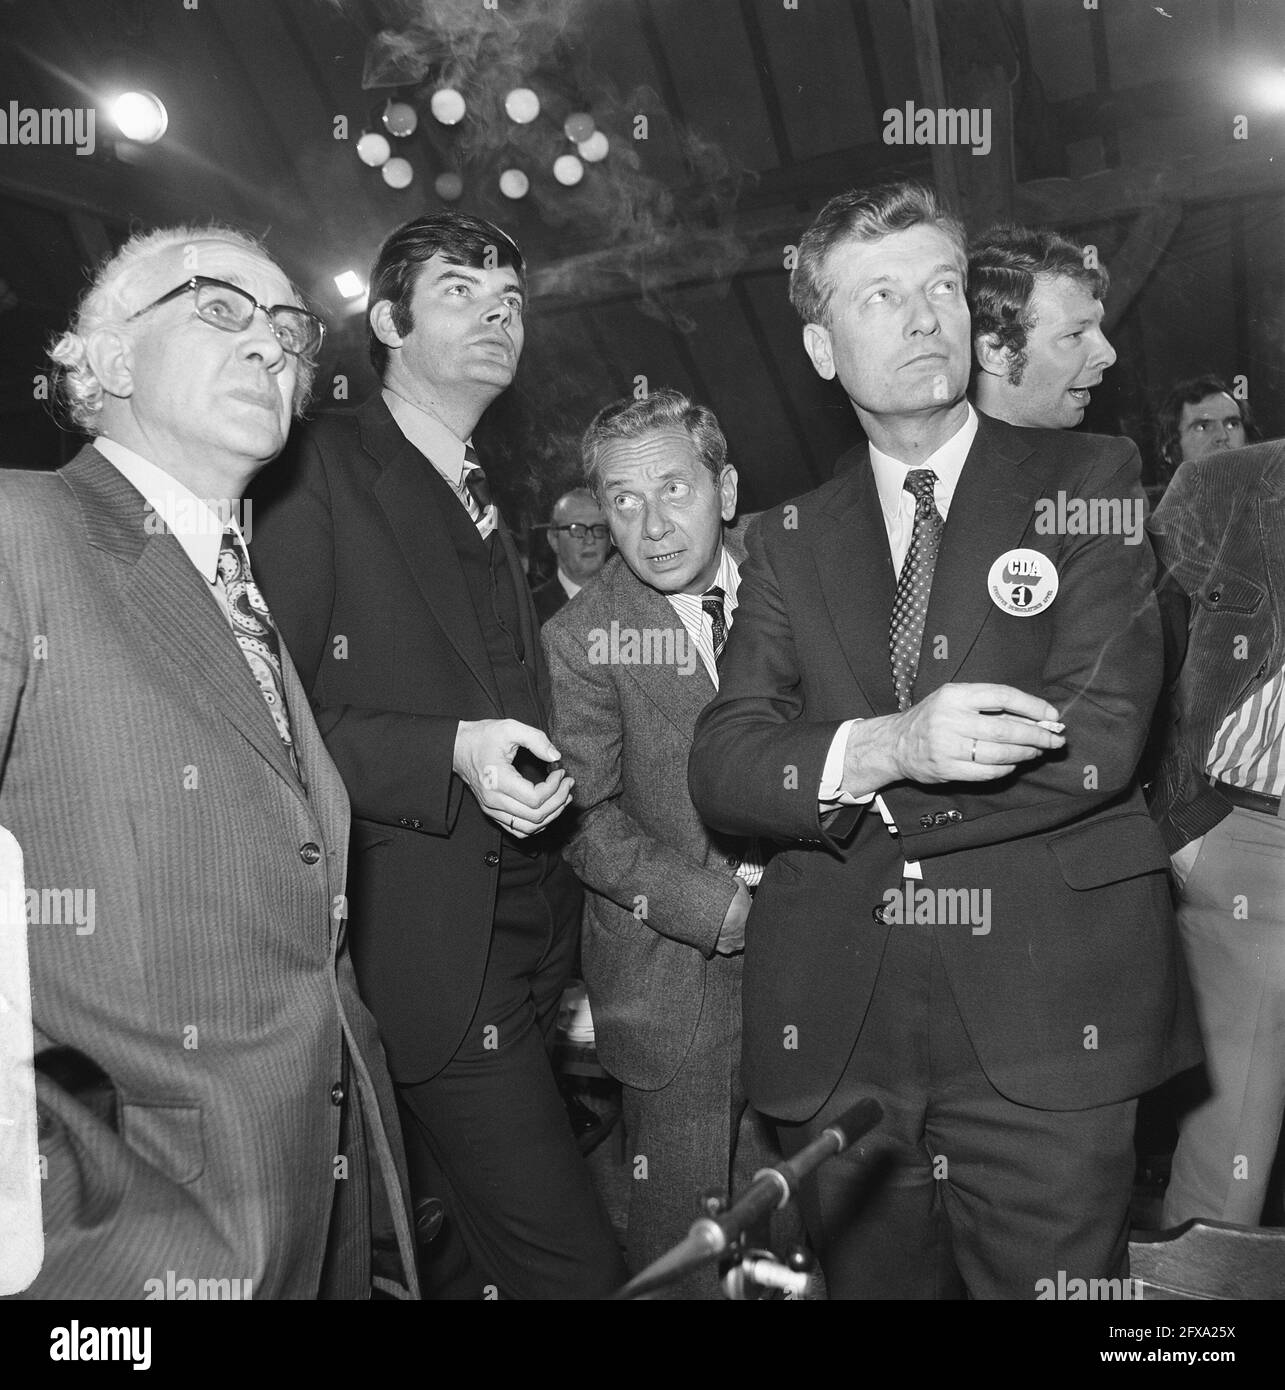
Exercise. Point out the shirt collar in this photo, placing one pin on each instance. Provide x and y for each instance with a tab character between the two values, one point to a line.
947	462
569	585
195	525
443	448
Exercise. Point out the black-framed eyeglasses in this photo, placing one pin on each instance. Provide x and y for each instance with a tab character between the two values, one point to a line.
231	308
579	530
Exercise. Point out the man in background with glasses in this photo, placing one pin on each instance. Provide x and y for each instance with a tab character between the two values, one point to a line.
578	536
208	1082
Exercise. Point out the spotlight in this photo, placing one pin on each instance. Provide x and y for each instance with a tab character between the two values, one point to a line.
514	183
140	116
567	169
350	284
448	186
594	148
401	118
578	127
397	172
373	149
523	105
447	106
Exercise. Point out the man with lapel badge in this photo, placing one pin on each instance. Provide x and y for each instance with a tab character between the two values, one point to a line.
214	1106
398	586
633	659
937	692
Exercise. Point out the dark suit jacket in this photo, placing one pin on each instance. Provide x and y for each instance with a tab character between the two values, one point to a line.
659	881
1076	996
354	558
549	598
1219	533
215	991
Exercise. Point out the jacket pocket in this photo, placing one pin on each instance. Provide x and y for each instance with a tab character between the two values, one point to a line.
1108	851
1229	593
169	1137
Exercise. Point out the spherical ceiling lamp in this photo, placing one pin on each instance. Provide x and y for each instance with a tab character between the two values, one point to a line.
568	170
373	149
578	127
401	118
514	183
523	105
449	186
140	117
447	106
594	148
397	172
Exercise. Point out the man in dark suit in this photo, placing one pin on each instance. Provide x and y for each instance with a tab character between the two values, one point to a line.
940	631
1219	533
208	1080
633	660
578	537
399	589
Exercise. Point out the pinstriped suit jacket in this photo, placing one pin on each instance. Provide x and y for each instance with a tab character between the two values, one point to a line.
214	990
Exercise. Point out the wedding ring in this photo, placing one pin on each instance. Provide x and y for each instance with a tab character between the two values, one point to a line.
972	757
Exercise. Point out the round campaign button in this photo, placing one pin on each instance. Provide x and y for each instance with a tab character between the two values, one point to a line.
1022	582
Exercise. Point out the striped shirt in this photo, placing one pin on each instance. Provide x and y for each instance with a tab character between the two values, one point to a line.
1249	749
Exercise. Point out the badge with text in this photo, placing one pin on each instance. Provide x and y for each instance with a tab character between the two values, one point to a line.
1022	582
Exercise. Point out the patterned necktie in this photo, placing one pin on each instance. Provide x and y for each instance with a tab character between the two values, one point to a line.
477	493
910	606
712	603
256	634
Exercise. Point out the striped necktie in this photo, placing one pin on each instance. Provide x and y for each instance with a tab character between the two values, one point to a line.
255	633
476	492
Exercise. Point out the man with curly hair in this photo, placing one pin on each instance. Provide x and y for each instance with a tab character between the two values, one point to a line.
1038	346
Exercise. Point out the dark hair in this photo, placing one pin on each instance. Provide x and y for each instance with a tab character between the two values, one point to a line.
460	238
861	214
1191	391
666	408
1003	264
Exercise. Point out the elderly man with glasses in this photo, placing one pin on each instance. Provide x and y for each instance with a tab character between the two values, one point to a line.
214	1108
579	537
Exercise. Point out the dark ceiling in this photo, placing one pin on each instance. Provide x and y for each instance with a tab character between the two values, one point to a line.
668	261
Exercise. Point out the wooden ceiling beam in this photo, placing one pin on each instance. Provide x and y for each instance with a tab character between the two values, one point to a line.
1207	178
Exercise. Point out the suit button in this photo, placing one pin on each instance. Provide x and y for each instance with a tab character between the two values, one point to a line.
953	816
732	862
309	853
925	822
415	824
403	822
877	914
337	1093
1215	595
1261	672
491	858
941	818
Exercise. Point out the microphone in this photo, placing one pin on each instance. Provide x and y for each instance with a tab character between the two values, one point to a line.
770	1190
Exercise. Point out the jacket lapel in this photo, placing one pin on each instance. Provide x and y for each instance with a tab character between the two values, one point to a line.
171	604
407	491
990	512
854	570
639	608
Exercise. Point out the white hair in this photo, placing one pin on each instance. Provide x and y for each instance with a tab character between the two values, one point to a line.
113	299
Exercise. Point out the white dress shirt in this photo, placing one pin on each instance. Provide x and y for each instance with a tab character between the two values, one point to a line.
195	524
898	506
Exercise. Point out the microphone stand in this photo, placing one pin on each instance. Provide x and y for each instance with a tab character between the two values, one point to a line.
723	1233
